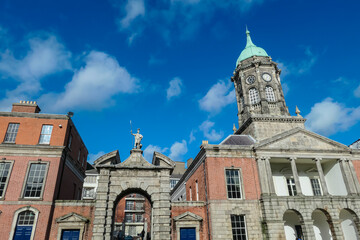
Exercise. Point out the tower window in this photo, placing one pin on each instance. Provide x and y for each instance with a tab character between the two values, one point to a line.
254	96
270	95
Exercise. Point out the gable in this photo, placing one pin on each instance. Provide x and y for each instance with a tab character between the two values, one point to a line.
71	217
187	216
300	139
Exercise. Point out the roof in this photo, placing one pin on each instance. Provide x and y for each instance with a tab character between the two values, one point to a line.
250	50
238	140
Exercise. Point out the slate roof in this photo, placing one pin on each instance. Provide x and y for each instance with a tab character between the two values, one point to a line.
238	140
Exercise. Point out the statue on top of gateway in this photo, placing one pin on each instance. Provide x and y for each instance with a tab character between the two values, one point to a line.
138	138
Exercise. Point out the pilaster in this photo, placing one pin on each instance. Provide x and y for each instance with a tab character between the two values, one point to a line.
321	176
295	175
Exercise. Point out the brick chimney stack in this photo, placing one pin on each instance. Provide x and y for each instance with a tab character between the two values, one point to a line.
26	106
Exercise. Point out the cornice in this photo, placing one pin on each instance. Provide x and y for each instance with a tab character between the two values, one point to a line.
30	150
34	115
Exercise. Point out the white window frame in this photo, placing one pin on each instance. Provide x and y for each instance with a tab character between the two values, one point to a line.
8	177
242	195
232	230
270	94
26	178
254	97
15	218
41	139
292	185
319	184
17	130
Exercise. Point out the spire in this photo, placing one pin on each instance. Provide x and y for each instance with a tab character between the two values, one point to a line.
249	43
250	49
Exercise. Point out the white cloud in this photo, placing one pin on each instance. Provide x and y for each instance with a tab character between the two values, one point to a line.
133	9
92	86
180	18
45	56
209	133
174	89
149	151
191	137
92	157
329	117
219	96
357	92
178	150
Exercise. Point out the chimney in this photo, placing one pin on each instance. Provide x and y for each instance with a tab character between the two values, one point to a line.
26	106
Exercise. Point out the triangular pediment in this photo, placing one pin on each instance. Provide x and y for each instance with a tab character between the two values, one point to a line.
187	216
300	139
71	217
160	159
135	159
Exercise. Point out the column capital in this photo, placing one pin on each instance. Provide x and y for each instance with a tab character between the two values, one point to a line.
263	158
292	158
317	159
343	159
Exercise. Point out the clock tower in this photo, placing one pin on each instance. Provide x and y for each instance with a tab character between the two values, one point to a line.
262	111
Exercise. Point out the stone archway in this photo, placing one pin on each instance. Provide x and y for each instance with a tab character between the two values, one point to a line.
134	174
322	224
293	225
349	224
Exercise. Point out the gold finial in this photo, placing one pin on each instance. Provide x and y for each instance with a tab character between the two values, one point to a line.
297	111
234	128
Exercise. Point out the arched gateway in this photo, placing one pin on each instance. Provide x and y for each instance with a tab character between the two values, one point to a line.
133	176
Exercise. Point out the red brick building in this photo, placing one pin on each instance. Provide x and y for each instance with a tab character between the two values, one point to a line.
42	160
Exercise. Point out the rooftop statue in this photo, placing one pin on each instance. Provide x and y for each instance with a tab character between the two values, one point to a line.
138	138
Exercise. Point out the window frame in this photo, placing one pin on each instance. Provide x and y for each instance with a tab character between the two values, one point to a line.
256	97
270	95
292	185
8	178
312	187
15	218
22	197
242	193
4	141
245	226
41	134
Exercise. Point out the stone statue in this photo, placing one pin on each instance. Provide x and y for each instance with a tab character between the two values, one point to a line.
138	138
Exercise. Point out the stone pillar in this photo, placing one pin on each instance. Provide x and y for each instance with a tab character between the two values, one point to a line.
263	176
275	229
354	177
336	230
101	207
295	175
350	187
308	230
269	176
321	176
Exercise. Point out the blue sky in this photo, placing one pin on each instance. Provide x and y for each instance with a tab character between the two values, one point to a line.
166	66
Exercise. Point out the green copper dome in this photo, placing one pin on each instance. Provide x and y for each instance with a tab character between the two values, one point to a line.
250	50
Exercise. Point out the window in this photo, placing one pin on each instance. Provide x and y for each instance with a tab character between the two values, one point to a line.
129	205
79	155
238	227
128	217
89	193
173	183
45	134
35	180
4	176
190	194
24	225
139	217
11	132
139	206
69	142
316	186
197	191
269	93
291	186
68	234
233	183
254	96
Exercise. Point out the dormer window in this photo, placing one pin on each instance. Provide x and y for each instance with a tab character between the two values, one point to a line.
254	96
269	93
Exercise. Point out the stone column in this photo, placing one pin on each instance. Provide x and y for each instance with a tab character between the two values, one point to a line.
336	230
262	176
354	177
275	229
269	176
295	175
350	187
321	176
308	229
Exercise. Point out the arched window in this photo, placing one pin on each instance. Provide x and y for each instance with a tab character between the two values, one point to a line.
254	96
269	93
24	225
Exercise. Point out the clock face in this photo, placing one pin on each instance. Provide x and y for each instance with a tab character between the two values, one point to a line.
250	79
266	77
